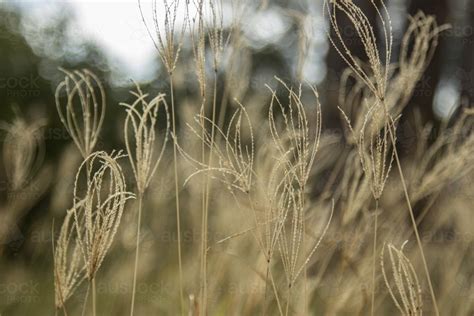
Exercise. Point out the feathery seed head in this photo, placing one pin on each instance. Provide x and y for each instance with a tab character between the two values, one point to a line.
69	269
84	110
406	292
99	200
296	148
169	36
141	139
376	80
374	146
234	158
23	151
216	31
293	137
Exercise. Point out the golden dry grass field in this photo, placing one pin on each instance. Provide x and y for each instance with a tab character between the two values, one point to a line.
239	181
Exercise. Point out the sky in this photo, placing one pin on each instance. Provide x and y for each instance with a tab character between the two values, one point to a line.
120	32
115	26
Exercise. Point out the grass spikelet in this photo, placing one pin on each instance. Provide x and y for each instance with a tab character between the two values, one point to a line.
374	146
198	38
83	111
376	80
406	291
141	138
294	140
216	31
23	151
234	159
98	208
68	263
168	38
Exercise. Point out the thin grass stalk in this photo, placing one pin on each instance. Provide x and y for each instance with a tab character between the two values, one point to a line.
266	287
203	217
94	298
270	274
288	299
86	298
64	309
176	187
215	37
137	248
374	254
207	190
198	47
276	293
305	270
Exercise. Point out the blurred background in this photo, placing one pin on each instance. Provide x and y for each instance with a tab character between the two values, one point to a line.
110	38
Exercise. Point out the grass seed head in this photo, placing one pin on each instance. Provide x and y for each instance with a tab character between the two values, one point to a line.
99	200
83	111
143	146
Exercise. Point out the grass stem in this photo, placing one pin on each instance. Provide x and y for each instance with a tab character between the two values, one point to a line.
137	252
94	298
374	255
176	187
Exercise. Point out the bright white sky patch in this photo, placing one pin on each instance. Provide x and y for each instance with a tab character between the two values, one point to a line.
115	26
265	27
446	99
